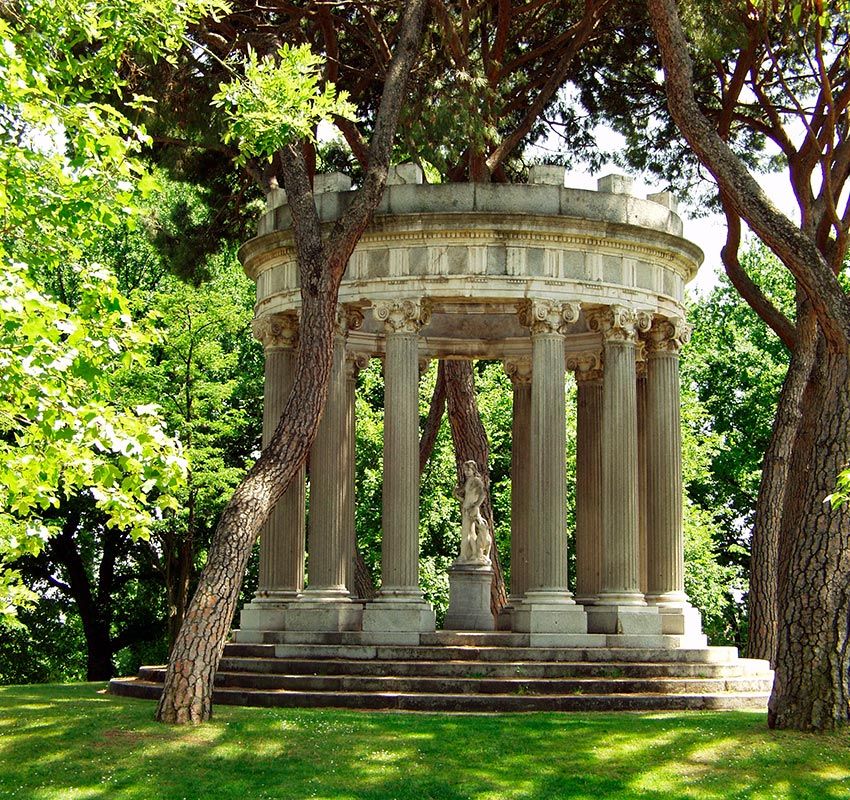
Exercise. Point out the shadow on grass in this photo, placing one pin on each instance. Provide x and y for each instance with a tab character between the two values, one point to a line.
73	742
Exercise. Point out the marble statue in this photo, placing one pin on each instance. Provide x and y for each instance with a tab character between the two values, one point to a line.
475	535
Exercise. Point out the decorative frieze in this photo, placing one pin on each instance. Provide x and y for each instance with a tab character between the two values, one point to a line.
548	316
402	316
277	331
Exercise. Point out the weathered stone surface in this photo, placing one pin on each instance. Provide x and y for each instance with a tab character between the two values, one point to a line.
469	598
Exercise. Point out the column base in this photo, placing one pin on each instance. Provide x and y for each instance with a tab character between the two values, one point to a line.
624	619
549	612
679	619
267	611
469	598
324	614
398	618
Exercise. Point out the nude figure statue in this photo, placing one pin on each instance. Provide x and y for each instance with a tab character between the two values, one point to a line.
475	535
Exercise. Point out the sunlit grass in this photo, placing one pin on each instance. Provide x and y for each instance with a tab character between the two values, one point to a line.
76	743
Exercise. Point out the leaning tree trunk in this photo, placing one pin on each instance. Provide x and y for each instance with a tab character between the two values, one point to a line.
470	444
187	692
810	690
764	556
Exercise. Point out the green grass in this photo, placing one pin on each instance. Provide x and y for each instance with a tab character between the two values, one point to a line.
74	742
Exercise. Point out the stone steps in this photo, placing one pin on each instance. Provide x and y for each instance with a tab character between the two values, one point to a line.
482	703
493	669
481	653
382	684
478	673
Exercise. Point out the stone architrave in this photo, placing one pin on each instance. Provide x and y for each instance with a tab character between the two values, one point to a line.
325	605
588	542
548	610
620	607
665	538
282	539
400	612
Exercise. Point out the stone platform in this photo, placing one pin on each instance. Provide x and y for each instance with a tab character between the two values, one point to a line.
476	672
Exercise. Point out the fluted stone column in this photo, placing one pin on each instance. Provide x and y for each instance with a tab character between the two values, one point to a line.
620	606
665	539
354	362
282	539
400	607
519	371
588	540
643	489
325	605
548	608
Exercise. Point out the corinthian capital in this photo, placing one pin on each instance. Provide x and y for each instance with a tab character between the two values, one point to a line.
402	316
348	318
277	331
667	335
587	366
616	323
547	316
518	369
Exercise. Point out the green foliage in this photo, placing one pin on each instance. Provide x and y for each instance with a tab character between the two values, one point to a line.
278	100
68	172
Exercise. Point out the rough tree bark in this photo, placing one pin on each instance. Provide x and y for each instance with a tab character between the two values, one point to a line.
187	693
470	444
764	546
813	661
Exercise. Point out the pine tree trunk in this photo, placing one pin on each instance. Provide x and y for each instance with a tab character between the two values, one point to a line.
810	690
188	688
470	444
771	498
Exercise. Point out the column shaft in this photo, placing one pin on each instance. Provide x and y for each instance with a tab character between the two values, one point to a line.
283	537
620	578
548	552
520	487
664	463
643	488
400	541
589	489
329	489
350	434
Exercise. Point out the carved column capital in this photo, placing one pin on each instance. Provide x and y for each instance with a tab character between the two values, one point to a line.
276	331
354	362
348	318
547	316
617	323
402	316
518	369
667	335
587	365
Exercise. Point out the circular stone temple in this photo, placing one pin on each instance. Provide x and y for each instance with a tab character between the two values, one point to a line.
546	279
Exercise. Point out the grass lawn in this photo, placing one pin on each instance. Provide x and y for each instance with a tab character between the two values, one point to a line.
74	742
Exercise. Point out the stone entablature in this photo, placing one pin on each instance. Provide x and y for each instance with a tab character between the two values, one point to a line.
472	251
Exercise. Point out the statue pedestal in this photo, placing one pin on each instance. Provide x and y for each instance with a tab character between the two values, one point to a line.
469	598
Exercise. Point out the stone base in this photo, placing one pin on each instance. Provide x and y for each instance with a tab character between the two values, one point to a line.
263	614
469	598
307	615
683	620
395	616
504	621
614	619
549	613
